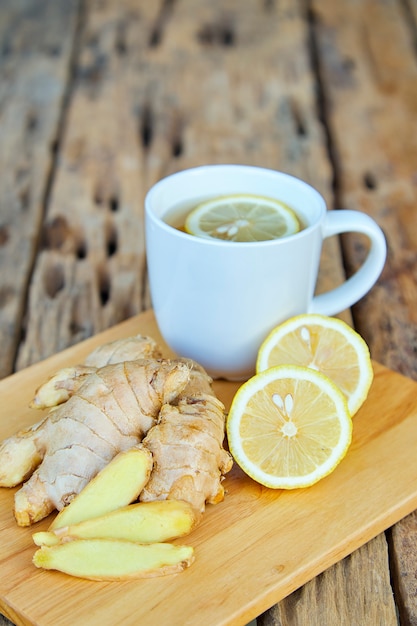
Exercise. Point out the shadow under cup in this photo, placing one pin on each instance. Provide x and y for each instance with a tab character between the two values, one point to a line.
216	301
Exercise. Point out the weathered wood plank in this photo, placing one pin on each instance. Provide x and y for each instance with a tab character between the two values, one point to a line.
157	90
403	556
320	602
224	105
90	270
137	113
375	84
36	41
410	9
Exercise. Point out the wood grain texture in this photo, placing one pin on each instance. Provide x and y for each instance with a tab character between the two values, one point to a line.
271	542
322	593
403	551
91	267
375	85
155	90
34	63
309	87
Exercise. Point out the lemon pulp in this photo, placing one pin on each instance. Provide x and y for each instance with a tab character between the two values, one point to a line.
242	218
325	344
288	427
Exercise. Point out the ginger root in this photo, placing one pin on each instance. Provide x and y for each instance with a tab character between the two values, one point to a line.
121	350
106	407
64	383
110	412
186	445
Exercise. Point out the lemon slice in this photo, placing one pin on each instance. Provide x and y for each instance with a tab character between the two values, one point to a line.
326	344
288	427
242	217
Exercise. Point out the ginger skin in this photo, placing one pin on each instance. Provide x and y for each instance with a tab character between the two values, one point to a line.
111	411
64	383
169	405
121	350
186	445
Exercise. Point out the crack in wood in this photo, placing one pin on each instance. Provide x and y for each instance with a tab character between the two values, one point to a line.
54	280
146	126
32	121
176	135
114	203
24	197
4	235
313	23
120	44
177	146
300	127
112	242
104	286
174	129
410	21
158	28
370	181
81	250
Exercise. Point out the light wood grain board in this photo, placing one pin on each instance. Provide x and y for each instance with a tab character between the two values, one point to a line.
251	550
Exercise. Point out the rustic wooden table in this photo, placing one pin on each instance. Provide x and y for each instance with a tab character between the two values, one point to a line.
101	98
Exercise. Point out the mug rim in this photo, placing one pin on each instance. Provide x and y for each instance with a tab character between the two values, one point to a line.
199	170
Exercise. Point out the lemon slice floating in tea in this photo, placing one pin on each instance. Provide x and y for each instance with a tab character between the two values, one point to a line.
242	217
326	344
288	427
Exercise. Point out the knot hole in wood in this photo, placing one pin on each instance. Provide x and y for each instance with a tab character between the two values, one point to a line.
175	128
57	234
4	235
53	279
219	33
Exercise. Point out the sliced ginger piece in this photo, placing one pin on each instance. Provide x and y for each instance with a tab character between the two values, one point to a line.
145	522
113	559
118	484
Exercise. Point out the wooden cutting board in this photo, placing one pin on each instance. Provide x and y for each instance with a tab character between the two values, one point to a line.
251	550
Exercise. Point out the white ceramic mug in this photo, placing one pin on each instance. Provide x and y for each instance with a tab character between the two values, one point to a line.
215	301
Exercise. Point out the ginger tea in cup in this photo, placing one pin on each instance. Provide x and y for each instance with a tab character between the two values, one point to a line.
215	300
236	217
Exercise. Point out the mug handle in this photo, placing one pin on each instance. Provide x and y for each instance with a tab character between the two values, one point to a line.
352	290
